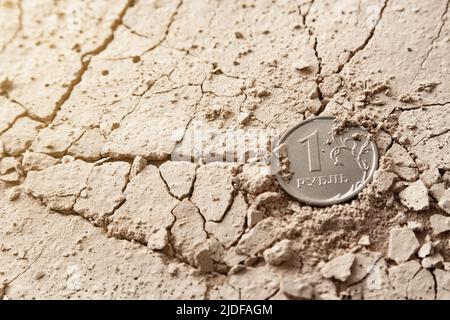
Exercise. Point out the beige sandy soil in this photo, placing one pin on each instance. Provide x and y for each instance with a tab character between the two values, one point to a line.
97	96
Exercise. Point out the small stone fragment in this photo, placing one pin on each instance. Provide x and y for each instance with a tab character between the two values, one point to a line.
430	176
364	240
301	65
415	196
439	223
260	237
383	180
139	163
238	35
7	165
5	86
254	216
158	240
14	193
425	250
403	244
255	178
243	118
279	253
415	226
39	275
203	261
437	191
296	289
434	261
10	177
339	268
444	202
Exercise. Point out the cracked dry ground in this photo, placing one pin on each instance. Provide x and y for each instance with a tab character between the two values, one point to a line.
96	95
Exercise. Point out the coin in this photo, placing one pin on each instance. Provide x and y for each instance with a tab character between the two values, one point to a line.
324	168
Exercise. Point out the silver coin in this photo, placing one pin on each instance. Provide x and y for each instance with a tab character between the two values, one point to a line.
325	168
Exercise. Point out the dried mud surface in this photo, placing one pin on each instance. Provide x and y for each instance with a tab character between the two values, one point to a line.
95	96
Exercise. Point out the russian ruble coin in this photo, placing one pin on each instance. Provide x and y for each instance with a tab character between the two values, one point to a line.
319	166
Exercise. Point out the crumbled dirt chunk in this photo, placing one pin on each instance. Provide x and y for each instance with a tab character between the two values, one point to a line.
297	290
19	137
444	201
33	161
403	164
14	193
59	186
400	276
415	226
88	146
422	286
179	176
232	225
7	164
437	191
255	283
10	177
103	192
383	180
255	178
147	208
213	190
439	223
425	250
403	244
339	268
364	263
187	231
415	196
260	237
430	176
203	261
279	253
432	262
442	284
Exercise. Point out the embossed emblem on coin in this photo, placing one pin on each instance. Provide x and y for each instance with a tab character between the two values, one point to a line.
320	167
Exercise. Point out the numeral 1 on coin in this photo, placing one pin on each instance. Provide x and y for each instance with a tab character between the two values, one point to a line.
313	150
